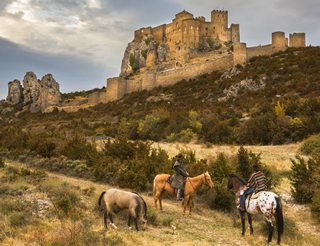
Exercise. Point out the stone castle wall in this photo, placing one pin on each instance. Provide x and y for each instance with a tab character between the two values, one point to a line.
117	87
177	60
297	40
262	50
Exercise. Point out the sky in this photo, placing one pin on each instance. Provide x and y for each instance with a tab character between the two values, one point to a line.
82	42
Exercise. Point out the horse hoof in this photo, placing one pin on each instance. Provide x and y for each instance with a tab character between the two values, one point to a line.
114	226
130	227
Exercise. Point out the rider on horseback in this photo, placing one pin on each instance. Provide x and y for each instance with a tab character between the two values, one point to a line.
257	182
178	177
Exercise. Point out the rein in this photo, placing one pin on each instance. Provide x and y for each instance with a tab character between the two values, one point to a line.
205	181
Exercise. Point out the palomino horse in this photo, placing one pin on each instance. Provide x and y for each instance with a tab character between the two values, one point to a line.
160	185
265	202
124	200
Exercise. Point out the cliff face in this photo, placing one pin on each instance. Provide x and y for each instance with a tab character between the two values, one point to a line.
139	55
35	95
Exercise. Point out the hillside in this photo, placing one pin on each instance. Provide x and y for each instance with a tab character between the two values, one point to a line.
205	226
271	100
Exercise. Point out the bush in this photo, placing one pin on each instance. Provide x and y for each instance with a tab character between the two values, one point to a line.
304	178
78	148
64	197
2	164
311	146
17	219
220	197
246	160
315	205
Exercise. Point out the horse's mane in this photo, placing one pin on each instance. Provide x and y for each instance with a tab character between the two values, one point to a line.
232	175
144	204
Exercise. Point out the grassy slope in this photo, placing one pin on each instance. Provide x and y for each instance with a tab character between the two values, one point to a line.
205	226
291	76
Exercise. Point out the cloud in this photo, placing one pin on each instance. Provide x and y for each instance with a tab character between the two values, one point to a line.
71	72
96	32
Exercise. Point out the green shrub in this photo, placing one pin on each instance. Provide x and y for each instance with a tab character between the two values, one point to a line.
311	146
244	168
2	164
78	148
17	219
144	53
133	62
304	178
315	205
220	197
153	218
64	197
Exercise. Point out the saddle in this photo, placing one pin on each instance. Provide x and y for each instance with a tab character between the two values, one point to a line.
253	196
170	179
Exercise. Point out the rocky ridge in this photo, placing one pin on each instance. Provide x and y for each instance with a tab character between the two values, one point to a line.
35	95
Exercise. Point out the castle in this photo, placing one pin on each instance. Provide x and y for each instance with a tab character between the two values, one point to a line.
183	49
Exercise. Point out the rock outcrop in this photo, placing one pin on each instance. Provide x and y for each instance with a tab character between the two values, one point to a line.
247	84
15	93
35	95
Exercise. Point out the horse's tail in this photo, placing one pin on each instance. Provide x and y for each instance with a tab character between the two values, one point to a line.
141	200
279	217
100	198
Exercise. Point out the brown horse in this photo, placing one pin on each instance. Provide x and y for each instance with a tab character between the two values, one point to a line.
160	185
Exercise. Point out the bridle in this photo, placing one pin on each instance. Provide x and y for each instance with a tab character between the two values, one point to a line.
205	179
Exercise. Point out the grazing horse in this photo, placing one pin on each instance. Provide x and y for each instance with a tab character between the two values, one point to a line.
265	202
124	200
160	185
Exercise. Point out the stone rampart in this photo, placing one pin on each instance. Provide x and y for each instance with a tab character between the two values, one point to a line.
261	50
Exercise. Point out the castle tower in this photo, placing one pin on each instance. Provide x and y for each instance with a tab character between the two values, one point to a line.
235	33
239	53
279	41
297	40
219	19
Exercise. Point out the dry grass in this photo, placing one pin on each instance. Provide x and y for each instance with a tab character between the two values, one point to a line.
277	156
205	226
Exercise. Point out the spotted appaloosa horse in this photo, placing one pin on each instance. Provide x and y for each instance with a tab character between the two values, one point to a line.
265	202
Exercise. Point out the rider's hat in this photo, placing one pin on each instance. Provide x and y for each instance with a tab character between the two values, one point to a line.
179	156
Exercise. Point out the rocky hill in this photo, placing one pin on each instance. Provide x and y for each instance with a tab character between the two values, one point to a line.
270	100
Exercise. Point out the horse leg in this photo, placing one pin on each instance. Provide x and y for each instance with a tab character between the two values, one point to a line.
105	219
190	205
129	220
136	223
242	222
250	223
111	220
270	230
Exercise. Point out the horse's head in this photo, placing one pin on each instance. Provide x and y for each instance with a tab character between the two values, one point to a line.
230	182
144	222
235	182
207	179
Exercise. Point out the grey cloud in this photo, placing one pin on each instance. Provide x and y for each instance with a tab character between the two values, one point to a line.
71	72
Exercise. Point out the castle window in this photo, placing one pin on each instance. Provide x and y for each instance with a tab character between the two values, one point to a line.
206	28
191	27
142	31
